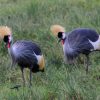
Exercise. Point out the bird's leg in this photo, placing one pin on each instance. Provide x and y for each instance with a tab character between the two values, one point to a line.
22	70
30	76
87	63
80	60
12	64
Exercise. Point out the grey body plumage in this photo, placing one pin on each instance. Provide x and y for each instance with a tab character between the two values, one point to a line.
26	54
79	41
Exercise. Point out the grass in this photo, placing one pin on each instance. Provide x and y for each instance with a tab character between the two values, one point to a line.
31	20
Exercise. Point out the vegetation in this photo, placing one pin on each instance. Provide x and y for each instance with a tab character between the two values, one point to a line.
31	20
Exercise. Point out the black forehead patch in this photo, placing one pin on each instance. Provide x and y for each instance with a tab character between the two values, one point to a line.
6	38
60	34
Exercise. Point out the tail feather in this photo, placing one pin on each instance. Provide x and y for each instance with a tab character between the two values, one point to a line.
57	28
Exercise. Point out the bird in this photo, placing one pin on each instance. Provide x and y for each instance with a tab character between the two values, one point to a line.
26	54
76	42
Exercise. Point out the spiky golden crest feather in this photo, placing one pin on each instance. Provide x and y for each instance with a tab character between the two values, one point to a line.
57	28
4	30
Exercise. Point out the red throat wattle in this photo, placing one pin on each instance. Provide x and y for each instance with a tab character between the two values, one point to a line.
8	45
62	42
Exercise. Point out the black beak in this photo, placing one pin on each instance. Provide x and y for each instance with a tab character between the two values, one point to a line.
59	40
5	44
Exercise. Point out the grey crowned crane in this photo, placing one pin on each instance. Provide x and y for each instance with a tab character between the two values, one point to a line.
26	54
76	42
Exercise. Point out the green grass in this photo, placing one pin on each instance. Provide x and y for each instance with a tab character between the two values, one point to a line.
31	20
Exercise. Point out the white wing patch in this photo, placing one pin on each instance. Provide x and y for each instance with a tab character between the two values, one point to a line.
41	61
96	44
39	57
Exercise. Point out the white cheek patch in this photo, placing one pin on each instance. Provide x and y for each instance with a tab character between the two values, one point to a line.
64	36
10	38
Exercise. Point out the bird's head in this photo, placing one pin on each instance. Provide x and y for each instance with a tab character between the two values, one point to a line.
6	35
61	36
8	40
58	31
